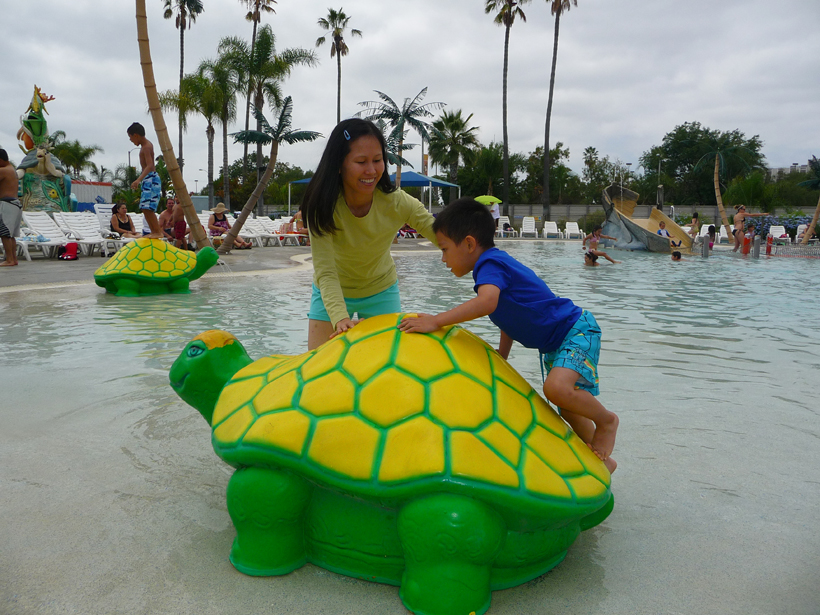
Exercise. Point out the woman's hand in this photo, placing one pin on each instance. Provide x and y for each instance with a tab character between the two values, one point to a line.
344	325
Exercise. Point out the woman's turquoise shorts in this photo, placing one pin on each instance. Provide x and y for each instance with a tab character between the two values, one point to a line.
385	302
579	352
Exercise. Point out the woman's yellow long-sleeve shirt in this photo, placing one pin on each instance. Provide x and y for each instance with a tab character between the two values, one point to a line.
355	261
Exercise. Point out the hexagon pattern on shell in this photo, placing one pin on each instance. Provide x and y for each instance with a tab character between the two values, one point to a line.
477	417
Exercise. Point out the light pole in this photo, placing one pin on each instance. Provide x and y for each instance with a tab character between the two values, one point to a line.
659	195
129	155
196	185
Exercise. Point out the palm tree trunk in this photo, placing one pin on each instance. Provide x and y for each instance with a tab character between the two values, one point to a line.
226	182
547	207
723	216
248	107
181	73
338	86
506	157
398	164
197	232
810	230
260	102
227	244
209	133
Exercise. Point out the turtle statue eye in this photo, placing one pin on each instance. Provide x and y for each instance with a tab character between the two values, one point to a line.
195	351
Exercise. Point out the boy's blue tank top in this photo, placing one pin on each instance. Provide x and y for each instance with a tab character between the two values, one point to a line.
528	311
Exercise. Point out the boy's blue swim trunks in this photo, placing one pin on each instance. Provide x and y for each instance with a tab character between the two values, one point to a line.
579	352
151	191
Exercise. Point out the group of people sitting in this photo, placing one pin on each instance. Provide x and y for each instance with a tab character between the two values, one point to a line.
171	221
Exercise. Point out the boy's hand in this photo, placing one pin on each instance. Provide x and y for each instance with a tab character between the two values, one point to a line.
423	323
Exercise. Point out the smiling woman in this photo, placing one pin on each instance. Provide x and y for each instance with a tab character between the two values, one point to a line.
353	213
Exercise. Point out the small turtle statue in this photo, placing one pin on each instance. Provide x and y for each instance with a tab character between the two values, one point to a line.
153	267
419	460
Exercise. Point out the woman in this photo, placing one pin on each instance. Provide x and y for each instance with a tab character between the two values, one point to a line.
218	225
352	212
122	223
739	229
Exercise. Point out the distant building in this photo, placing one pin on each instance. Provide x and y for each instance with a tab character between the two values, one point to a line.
87	193
775	172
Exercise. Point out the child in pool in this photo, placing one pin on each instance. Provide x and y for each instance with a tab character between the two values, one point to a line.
591	260
594	238
525	310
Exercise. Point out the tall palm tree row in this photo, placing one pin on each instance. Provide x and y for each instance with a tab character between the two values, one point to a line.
263	70
185	12
336	24
273	135
224	80
254	15
73	154
506	12
150	84
452	141
401	118
557	8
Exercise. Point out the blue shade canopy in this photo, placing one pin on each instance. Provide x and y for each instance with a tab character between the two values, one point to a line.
411	178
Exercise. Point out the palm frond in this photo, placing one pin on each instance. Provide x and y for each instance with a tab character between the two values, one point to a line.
301	136
263	122
251	136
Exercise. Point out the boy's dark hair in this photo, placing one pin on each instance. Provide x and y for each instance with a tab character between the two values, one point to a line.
466	216
4	155
136	129
676	255
320	197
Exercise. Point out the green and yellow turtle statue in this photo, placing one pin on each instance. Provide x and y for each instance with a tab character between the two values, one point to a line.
423	461
153	267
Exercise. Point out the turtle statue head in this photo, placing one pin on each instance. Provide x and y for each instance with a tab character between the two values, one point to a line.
203	368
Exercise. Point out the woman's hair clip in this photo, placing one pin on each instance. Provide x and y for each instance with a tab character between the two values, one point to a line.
347	135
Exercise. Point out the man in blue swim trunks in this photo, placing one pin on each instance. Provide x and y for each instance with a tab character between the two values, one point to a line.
148	181
527	311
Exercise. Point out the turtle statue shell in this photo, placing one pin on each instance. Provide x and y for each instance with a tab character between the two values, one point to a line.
394	454
151	267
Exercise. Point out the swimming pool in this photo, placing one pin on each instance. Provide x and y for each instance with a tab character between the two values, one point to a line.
113	499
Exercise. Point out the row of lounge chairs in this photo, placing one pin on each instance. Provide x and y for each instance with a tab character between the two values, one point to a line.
92	231
528	228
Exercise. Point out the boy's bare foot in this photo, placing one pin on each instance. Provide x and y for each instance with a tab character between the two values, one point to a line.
7	264
610	464
155	235
603	441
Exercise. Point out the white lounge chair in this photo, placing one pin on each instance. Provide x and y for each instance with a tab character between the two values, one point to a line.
247	233
572	229
551	230
40	223
779	234
528	227
262	235
500	232
721	234
84	226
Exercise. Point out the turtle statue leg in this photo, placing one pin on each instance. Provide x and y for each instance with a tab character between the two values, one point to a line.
180	285
127	288
267	509
449	543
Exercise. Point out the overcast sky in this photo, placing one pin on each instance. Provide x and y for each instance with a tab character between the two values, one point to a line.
628	71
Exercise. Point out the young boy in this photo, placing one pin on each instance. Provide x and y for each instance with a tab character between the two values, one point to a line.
664	233
527	311
148	181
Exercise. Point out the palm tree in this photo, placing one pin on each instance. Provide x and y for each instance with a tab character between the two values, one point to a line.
254	15
73	154
150	84
225	80
336	24
100	174
451	142
273	135
557	8
508	10
401	118
264	70
186	12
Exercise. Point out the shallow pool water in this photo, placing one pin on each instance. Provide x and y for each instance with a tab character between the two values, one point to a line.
112	495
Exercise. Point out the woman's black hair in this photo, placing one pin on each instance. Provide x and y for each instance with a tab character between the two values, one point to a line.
463	217
115	208
323	190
